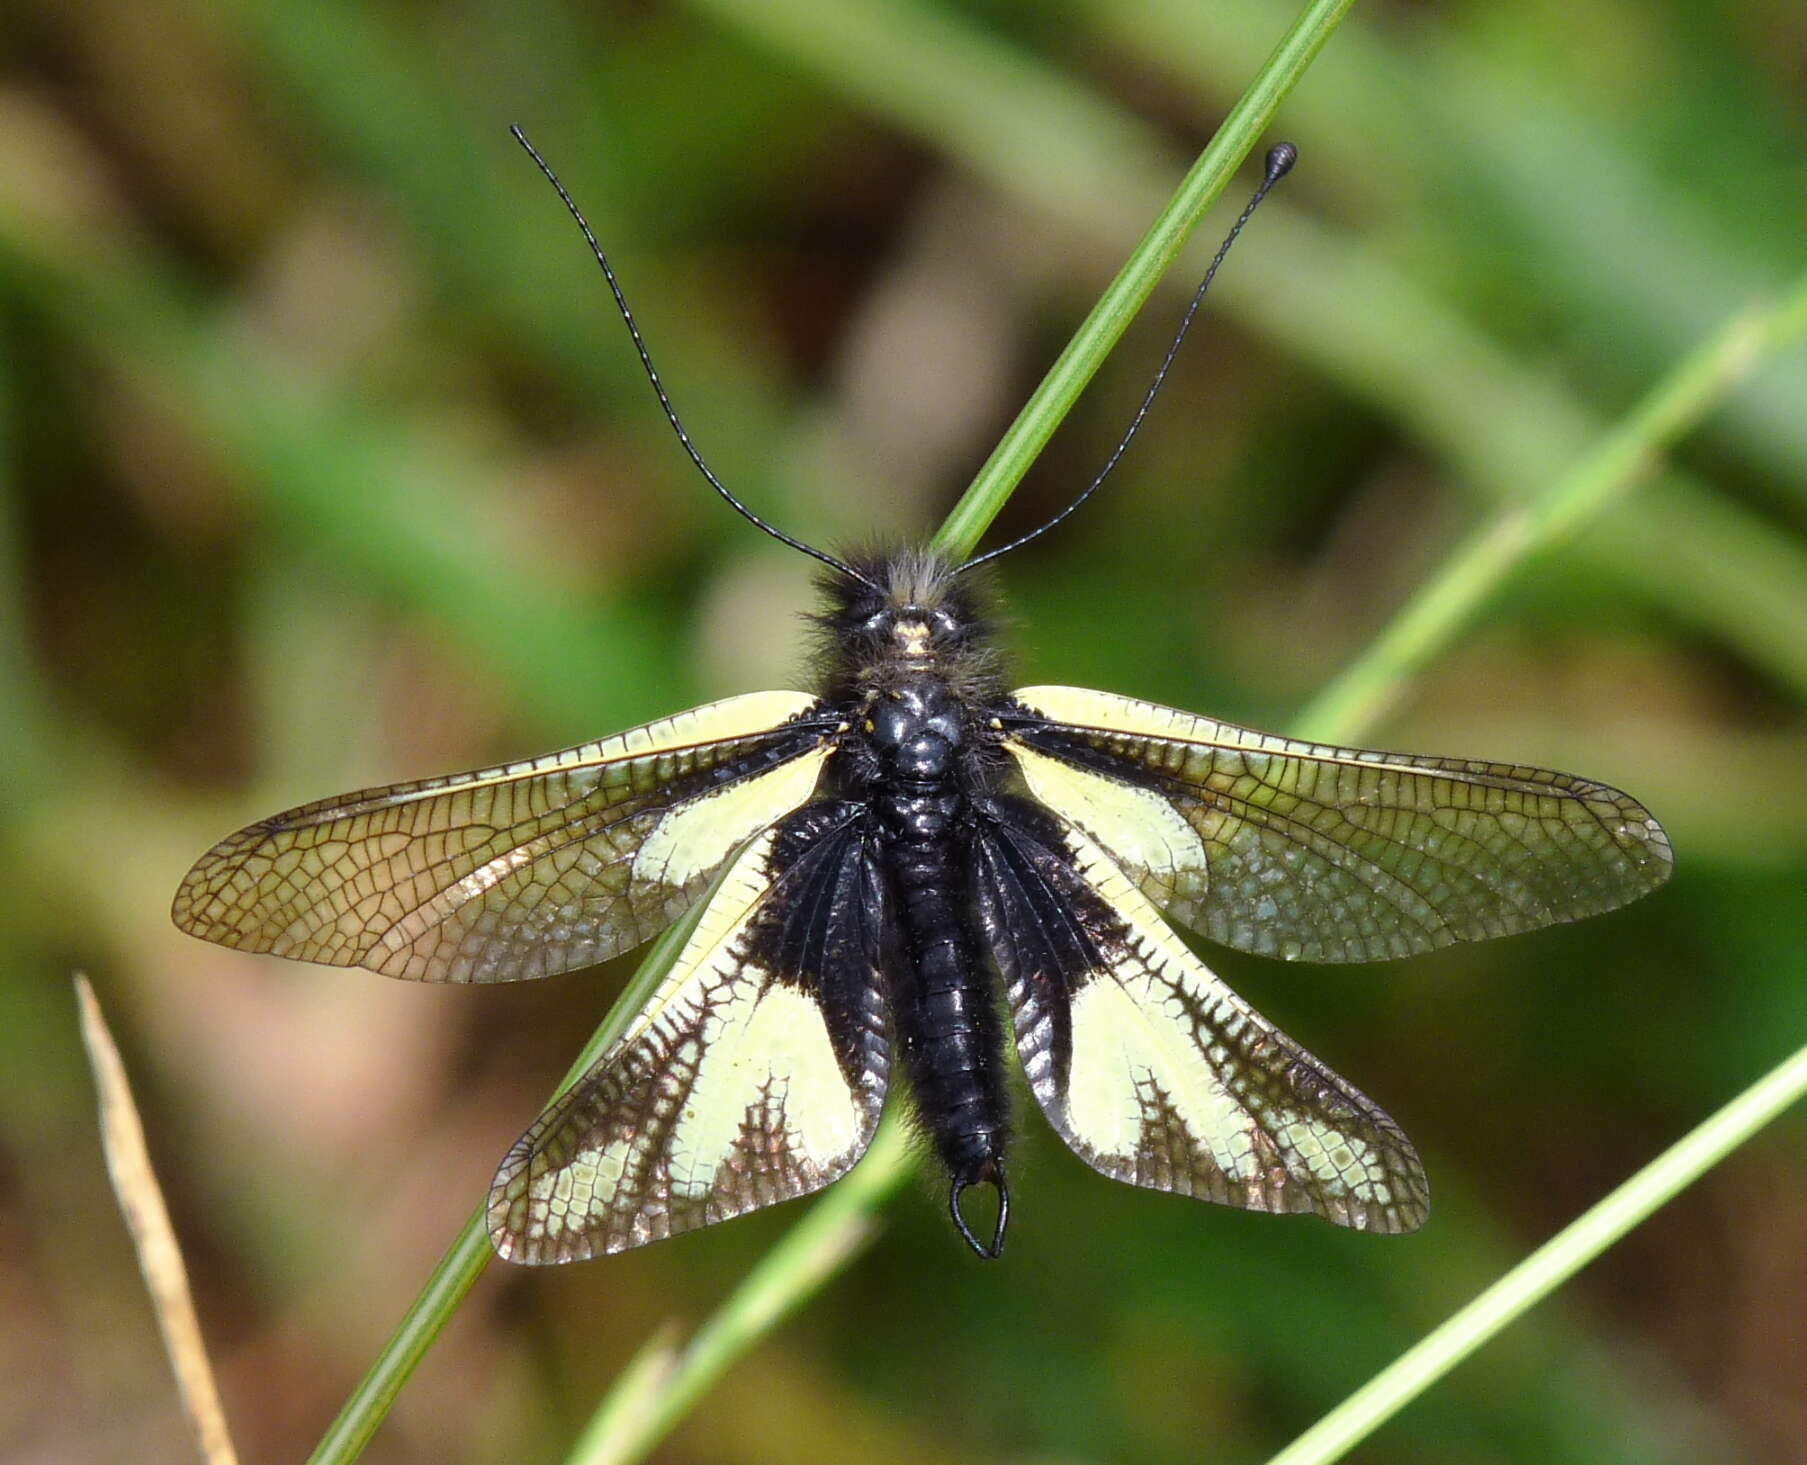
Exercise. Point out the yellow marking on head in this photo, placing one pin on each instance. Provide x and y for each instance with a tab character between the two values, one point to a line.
912	638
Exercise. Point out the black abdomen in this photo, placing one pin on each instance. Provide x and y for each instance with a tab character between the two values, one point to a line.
948	1029
914	761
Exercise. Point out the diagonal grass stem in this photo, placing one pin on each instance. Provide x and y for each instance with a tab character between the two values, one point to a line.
1486	559
1548	1267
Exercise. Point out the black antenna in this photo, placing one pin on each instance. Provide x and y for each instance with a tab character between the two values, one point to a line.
652	376
1280	159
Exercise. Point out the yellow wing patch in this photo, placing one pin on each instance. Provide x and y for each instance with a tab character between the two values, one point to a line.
1137	825
693	838
1308	851
774	1045
517	871
1157	1074
726	1094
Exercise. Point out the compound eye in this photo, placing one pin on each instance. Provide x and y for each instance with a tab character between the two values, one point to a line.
944	623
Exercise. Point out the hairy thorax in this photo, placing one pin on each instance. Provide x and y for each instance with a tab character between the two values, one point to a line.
910	649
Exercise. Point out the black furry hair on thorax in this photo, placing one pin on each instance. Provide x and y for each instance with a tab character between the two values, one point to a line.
861	625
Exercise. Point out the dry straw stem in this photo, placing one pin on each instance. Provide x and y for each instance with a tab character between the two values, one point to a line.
664	1380
147	1219
797	1267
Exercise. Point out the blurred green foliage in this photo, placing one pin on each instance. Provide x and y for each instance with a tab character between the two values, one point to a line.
326	463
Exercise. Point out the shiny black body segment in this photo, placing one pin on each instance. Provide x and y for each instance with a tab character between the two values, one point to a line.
882	868
909	664
876	870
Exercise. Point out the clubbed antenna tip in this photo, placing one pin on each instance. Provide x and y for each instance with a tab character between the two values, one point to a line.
1280	159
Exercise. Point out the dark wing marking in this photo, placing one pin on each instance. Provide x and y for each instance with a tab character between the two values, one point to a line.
1149	1067
756	1073
519	871
1307	851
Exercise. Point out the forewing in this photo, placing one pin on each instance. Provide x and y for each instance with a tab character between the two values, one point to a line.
1319	853
756	1073
1149	1067
519	871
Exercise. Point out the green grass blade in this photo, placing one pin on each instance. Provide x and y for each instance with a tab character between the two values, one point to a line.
999	113
660	1387
376	1392
1135	282
1549	1266
1500	424
1348	308
1434	616
1483	562
468	1255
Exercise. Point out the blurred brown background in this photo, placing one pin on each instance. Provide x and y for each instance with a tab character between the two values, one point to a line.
326	463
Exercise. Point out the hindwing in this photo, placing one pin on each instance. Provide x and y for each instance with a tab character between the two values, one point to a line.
1318	853
523	870
756	1073
1149	1067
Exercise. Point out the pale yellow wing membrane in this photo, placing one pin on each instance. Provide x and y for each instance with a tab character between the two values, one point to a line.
1157	1074
518	871
1309	851
755	1074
